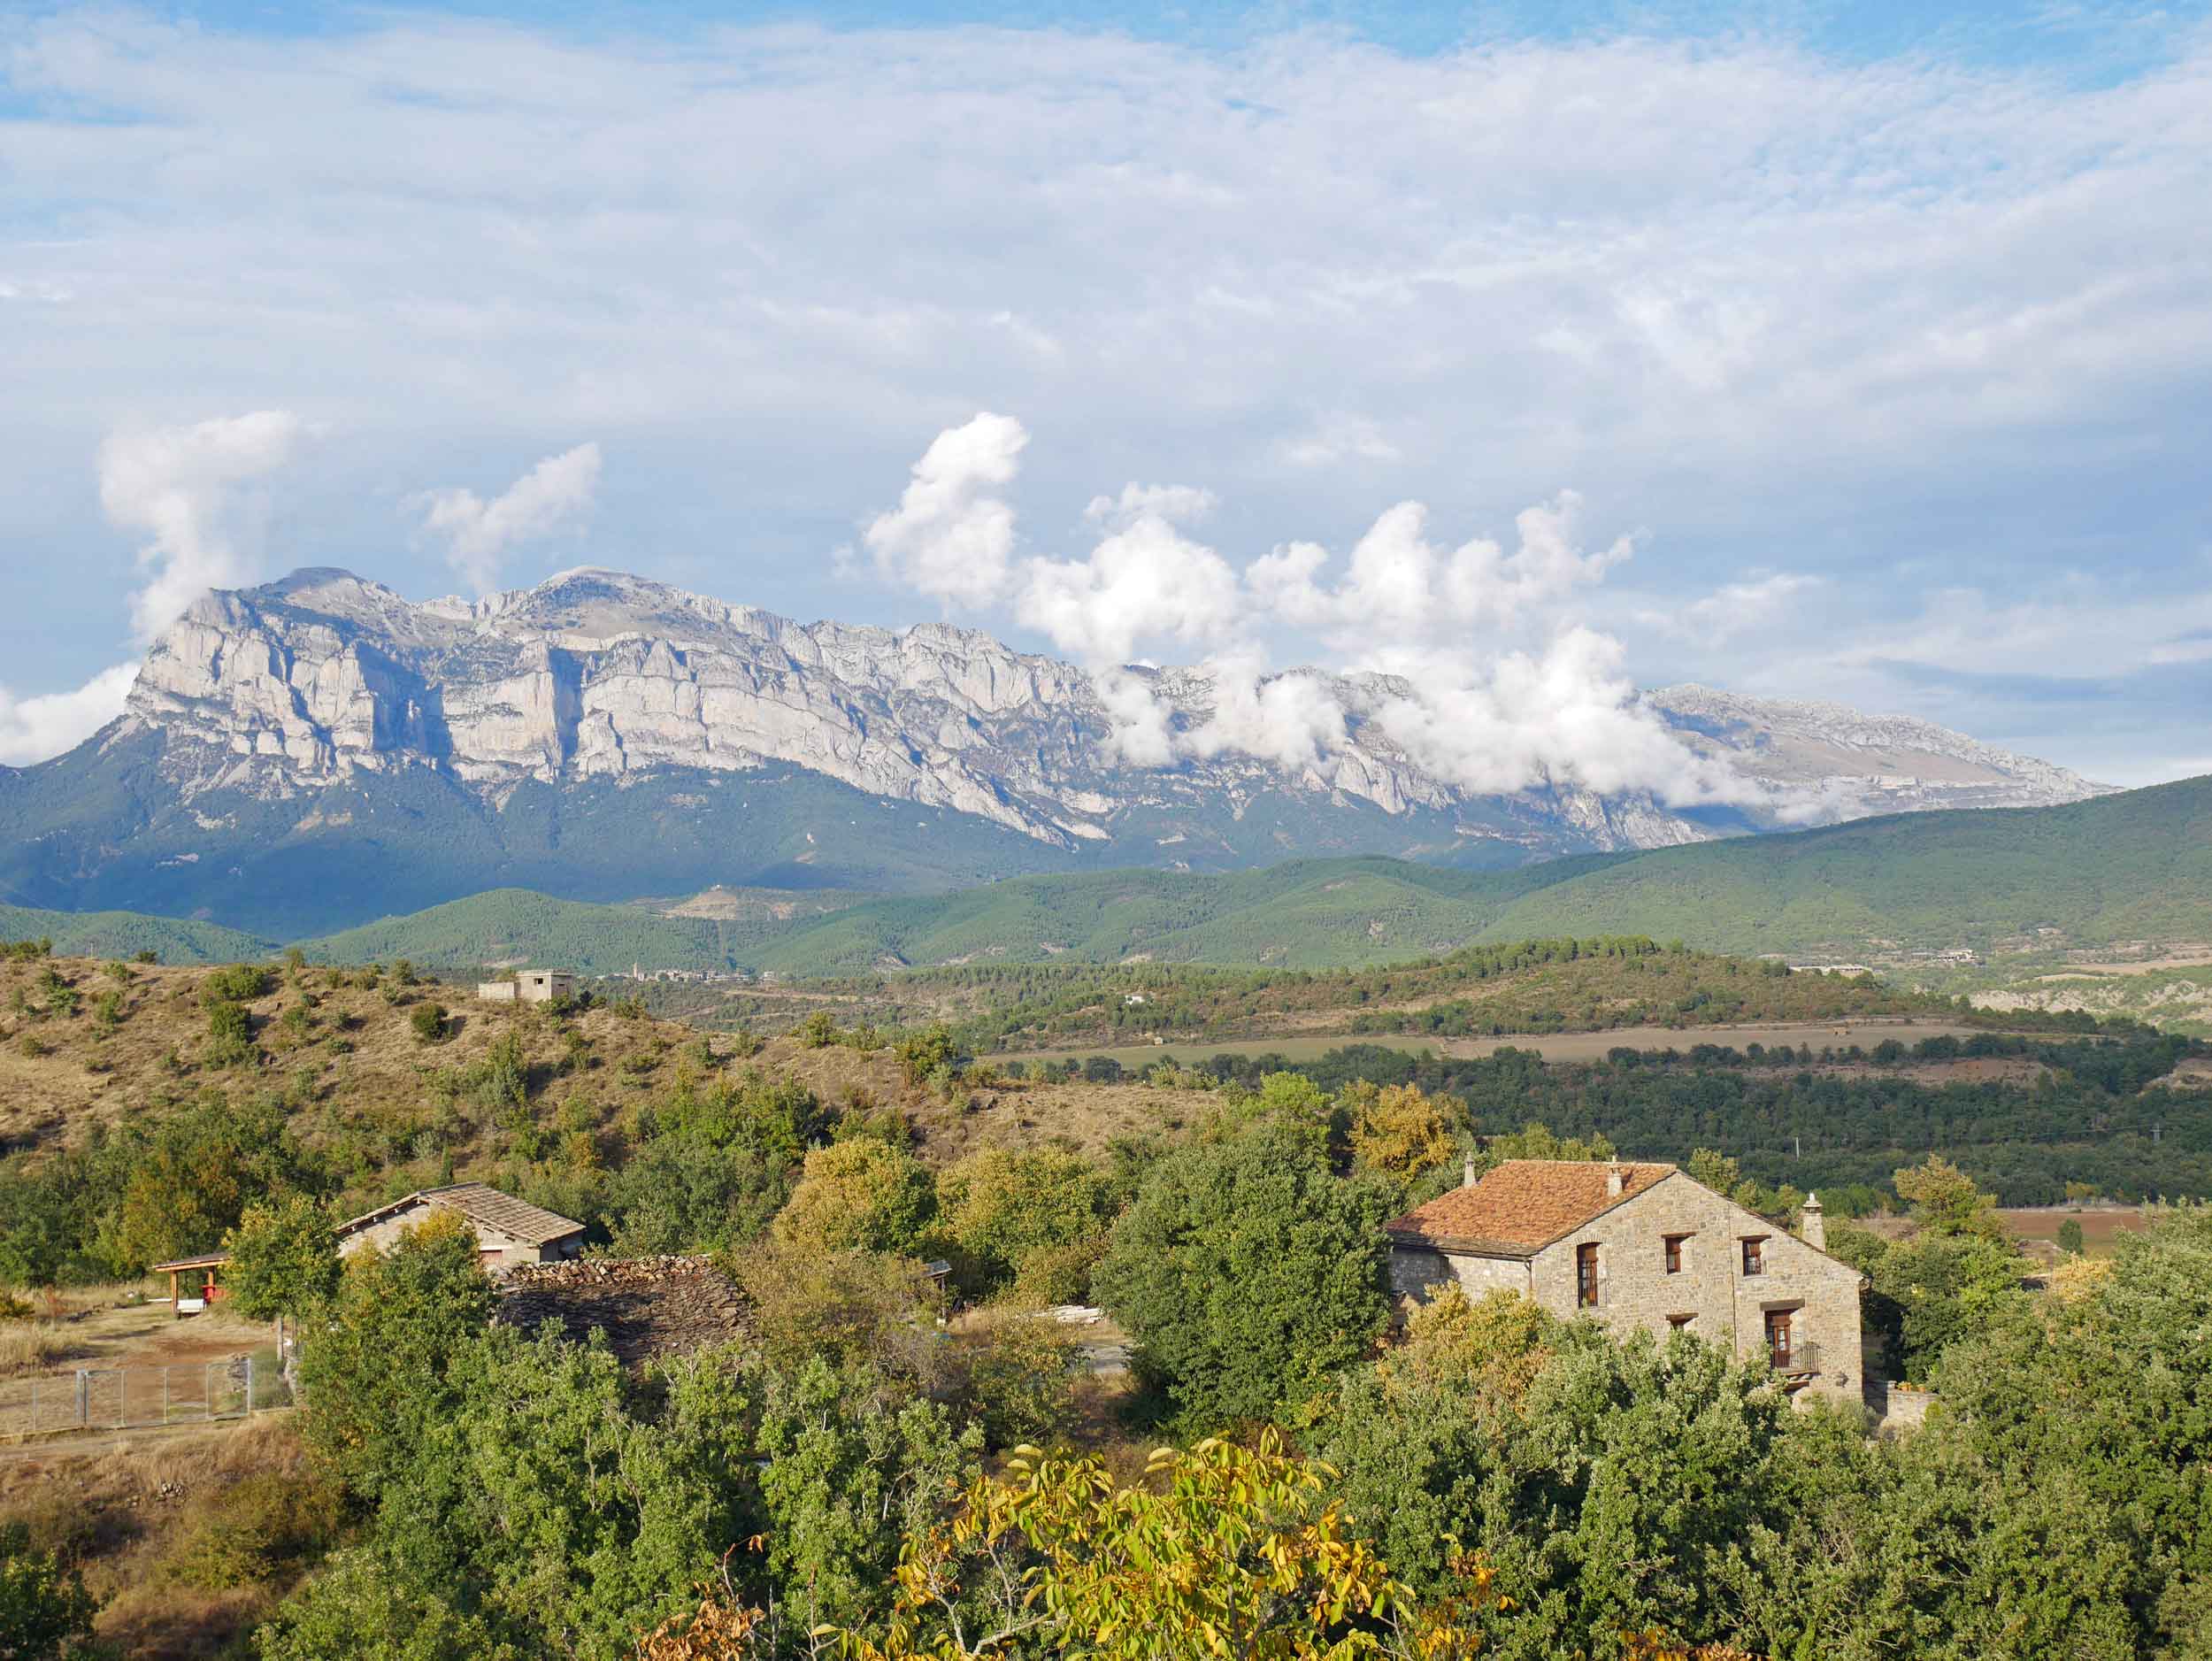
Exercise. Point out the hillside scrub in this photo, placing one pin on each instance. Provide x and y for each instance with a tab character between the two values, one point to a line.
1530	1486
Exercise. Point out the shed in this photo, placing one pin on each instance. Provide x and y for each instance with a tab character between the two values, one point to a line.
507	1231
530	986
203	1271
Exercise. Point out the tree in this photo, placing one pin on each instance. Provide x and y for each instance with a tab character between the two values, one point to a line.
1004	1209
45	1612
283	1259
860	1195
1398	1129
375	1377
849	1468
2070	1238
1248	1272
1944	1201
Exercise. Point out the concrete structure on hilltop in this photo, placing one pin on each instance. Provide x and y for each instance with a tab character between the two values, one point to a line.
507	1231
529	986
1637	1245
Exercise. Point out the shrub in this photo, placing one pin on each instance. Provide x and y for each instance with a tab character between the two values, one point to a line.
249	1532
817	1031
33	1046
229	1036
240	983
44	1609
429	1023
1018	1377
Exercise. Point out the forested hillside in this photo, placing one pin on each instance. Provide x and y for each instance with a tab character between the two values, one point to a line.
128	934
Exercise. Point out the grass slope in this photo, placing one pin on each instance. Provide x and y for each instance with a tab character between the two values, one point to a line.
127	934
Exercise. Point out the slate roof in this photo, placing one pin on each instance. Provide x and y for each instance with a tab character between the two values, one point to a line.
1523	1205
481	1204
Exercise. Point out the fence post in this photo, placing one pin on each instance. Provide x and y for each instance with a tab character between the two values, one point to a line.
84	1396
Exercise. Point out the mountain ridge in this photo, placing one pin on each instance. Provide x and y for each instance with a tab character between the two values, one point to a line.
318	752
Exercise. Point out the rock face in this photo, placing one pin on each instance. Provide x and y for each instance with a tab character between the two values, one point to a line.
1862	765
595	674
316	753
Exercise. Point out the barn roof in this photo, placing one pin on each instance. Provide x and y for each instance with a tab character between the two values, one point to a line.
481	1204
1523	1205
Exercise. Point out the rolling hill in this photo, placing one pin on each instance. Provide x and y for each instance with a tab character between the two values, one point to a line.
127	934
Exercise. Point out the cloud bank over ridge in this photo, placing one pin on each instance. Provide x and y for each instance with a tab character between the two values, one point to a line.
1505	690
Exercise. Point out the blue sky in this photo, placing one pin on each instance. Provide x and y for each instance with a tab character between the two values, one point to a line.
1877	338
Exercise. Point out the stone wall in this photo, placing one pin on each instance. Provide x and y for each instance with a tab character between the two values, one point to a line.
1412	1273
646	1306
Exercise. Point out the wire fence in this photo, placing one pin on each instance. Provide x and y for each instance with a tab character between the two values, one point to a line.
133	1398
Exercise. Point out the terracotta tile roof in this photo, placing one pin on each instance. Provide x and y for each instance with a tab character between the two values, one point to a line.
1523	1205
481	1204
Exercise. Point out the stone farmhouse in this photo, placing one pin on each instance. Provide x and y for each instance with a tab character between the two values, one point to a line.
529	986
509	1231
1644	1245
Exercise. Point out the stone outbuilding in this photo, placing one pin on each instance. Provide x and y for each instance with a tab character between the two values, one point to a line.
1639	1245
509	1230
529	986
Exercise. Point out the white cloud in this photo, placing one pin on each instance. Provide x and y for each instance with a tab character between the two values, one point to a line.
33	728
191	488
1483	713
1732	609
1176	504
479	535
1146	581
950	536
1401	590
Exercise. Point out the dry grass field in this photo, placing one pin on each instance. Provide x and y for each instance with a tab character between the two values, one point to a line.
2101	1225
170	1528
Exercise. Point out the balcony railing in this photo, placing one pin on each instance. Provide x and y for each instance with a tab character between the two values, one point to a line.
1799	1357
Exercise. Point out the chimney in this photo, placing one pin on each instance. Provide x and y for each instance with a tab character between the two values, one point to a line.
1467	1172
1614	1180
1812	1223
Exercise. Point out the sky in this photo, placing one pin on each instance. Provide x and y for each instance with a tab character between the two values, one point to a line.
1539	353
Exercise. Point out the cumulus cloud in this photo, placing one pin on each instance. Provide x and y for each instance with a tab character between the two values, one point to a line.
191	489
951	536
1475	709
33	728
1402	588
479	535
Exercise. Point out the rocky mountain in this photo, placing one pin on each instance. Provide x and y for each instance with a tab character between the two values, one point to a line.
321	750
1862	765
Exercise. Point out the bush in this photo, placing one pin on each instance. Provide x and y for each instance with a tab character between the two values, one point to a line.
240	983
429	1023
229	1036
253	1529
1018	1377
44	1609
